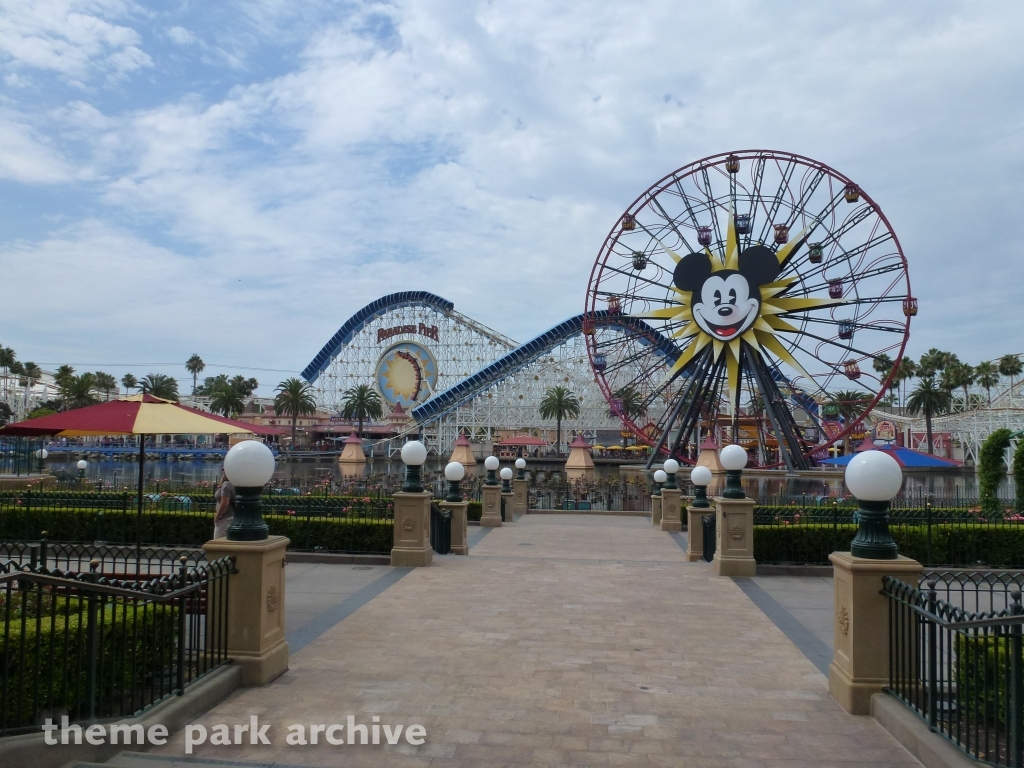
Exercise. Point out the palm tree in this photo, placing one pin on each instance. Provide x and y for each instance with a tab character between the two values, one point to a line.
986	374
906	370
295	398
160	385
882	365
850	404
195	366
64	373
226	400
7	359
128	381
957	374
32	373
106	382
78	391
559	403
1010	366
935	361
360	403
929	399
244	386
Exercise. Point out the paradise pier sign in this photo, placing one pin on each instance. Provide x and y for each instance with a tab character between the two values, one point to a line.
430	331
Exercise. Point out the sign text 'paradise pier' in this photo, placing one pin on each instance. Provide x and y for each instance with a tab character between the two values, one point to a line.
430	331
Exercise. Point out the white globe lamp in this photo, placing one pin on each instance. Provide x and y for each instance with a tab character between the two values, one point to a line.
671	466
491	465
454	473
874	477
521	466
734	459
506	477
701	478
414	453
249	465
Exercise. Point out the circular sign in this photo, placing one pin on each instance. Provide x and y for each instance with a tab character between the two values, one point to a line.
407	374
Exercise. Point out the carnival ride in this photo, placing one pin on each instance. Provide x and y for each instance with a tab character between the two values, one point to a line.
775	276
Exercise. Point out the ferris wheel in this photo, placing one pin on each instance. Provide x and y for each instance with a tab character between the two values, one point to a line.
745	288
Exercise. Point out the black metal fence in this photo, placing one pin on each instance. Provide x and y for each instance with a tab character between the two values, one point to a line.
956	659
89	647
610	495
20	456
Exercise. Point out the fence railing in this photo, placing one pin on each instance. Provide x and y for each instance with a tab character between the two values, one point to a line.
962	670
613	496
90	647
440	529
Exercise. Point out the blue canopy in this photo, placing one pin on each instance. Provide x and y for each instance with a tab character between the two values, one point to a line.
905	457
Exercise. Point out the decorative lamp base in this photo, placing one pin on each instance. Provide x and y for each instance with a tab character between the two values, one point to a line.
413	483
248	524
700	497
733	484
873	541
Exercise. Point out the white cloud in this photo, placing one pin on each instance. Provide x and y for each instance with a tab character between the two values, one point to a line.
181	36
25	158
75	38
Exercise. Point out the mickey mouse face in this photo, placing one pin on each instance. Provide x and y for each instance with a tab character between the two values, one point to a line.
726	303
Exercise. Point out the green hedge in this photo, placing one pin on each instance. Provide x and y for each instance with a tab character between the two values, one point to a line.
128	637
982	672
475	510
355	533
969	544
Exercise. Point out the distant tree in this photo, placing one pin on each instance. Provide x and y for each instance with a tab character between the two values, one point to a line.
931	400
631	406
986	375
361	402
37	413
245	387
850	404
935	361
295	398
105	382
559	403
79	391
64	373
128	381
5	413
160	385
226	400
882	365
992	469
958	375
1010	366
195	366
7	359
1018	476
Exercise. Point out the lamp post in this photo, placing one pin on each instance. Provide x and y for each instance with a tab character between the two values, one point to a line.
521	466
82	464
660	476
454	473
700	477
671	466
506	477
873	477
414	453
491	465
249	466
41	454
734	459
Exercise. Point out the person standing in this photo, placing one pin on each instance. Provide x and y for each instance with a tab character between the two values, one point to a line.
224	499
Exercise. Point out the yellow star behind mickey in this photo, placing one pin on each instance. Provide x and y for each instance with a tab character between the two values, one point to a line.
726	301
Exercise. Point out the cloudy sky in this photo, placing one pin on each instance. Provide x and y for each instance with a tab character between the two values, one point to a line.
236	178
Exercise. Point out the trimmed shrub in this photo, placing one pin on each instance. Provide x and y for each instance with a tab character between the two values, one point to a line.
475	510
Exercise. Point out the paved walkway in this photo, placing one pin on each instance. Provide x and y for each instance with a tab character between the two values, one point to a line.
561	641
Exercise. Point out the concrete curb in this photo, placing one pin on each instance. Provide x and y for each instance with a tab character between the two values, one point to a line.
336	559
175	713
909	730
769	569
586	512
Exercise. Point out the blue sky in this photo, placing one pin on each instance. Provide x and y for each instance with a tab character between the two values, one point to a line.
237	178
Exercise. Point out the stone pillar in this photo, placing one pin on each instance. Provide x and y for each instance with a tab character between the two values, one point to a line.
670	517
860	661
490	501
508	499
256	639
656	508
521	494
460	541
695	532
412	530
734	537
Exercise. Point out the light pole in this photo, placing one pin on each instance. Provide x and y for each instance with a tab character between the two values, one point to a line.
82	464
454	473
506	477
414	453
521	466
671	466
660	476
873	477
734	459
700	477
249	465
491	465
